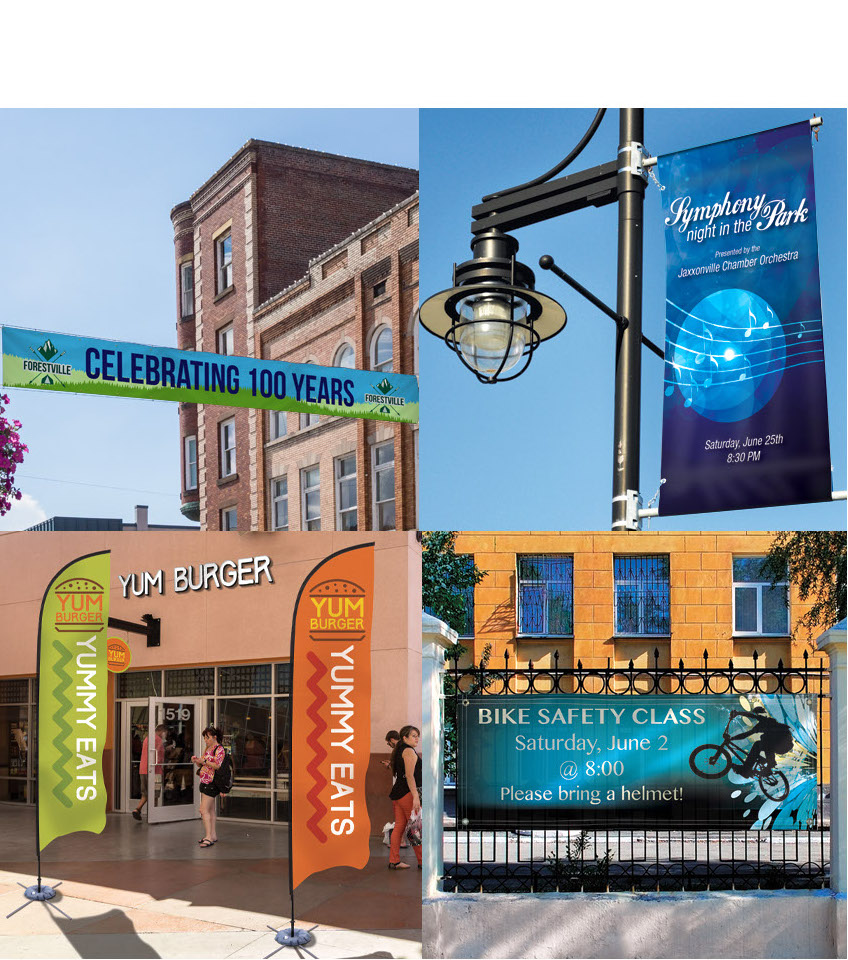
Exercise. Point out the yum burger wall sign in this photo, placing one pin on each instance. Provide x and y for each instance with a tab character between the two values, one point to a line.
244	572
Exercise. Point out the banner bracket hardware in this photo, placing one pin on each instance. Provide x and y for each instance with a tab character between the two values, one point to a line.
632	517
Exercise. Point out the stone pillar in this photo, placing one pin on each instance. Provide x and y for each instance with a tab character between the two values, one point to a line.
832	642
436	637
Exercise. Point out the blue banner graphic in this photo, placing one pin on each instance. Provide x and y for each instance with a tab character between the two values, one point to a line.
66	363
604	761
745	411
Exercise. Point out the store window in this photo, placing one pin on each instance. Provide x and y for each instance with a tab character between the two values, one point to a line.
760	608
345	470
192	682
546	595
139	683
246	727
252	678
641	596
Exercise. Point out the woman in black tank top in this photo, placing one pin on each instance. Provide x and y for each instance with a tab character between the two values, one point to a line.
405	794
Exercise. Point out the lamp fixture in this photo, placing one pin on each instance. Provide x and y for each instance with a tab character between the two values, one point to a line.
492	317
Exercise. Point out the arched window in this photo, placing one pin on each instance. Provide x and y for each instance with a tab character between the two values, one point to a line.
345	357
381	350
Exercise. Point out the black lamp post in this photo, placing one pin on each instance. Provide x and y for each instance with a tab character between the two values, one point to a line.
494	319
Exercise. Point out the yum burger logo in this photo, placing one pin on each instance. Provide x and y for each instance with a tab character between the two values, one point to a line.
337	611
80	606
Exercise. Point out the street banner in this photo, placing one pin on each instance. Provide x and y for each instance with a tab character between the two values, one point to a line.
72	704
331	714
745	408
605	761
70	364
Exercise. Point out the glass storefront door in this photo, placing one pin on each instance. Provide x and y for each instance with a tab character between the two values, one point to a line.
134	714
172	782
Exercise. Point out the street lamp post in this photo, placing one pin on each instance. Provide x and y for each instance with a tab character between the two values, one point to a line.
493	317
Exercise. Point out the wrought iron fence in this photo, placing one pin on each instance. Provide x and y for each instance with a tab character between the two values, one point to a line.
576	858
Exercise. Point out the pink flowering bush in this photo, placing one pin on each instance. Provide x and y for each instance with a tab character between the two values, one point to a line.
11	454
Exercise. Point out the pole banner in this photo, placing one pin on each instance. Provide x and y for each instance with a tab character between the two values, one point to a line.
72	705
67	363
745	409
604	761
331	714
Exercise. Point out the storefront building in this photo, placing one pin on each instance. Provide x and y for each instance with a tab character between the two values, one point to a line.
224	607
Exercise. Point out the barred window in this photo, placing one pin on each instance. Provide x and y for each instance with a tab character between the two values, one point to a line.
641	596
546	596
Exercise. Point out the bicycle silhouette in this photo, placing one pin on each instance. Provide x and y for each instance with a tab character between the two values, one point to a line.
712	761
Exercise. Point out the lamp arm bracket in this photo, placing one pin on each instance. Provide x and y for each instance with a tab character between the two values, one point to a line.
547	263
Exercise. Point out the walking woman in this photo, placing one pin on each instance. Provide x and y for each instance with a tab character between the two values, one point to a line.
405	796
212	758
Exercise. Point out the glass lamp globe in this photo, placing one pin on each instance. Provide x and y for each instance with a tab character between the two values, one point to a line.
492	332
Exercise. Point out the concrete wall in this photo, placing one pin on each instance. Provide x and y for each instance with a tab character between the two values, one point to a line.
764	924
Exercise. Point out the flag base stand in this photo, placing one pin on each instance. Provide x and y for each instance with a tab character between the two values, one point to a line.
295	937
36	892
39	891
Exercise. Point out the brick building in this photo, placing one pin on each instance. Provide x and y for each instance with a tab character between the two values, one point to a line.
272	261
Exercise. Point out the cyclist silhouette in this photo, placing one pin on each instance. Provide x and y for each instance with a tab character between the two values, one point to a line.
775	738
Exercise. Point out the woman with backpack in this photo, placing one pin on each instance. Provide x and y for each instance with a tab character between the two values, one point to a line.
211	761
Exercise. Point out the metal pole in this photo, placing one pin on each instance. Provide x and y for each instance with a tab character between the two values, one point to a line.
628	357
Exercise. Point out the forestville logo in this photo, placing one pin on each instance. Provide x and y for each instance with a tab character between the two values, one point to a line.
80	606
46	365
338	611
383	399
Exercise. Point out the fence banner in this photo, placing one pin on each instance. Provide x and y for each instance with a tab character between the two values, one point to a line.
745	410
72	705
331	714
70	364
605	761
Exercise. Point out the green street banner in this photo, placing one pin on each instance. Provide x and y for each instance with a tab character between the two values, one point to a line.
38	360
72	704
603	761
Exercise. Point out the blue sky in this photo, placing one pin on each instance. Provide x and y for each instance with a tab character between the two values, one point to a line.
88	249
536	453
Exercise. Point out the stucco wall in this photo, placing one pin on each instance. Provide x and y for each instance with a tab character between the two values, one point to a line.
780	924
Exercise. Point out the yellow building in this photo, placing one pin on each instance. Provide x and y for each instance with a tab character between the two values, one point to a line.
613	597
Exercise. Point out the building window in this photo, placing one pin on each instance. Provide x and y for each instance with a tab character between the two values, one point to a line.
759	609
379	289
227	444
345	357
546	596
308	420
345	469
383	466
228	518
381	350
191	463
280	503
310	496
641	596
187	288
277	424
223	263
225	341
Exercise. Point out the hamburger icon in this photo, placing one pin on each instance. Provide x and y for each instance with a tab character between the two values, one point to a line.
337	611
81	607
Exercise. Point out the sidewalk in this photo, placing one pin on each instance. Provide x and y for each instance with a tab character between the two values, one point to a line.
149	891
